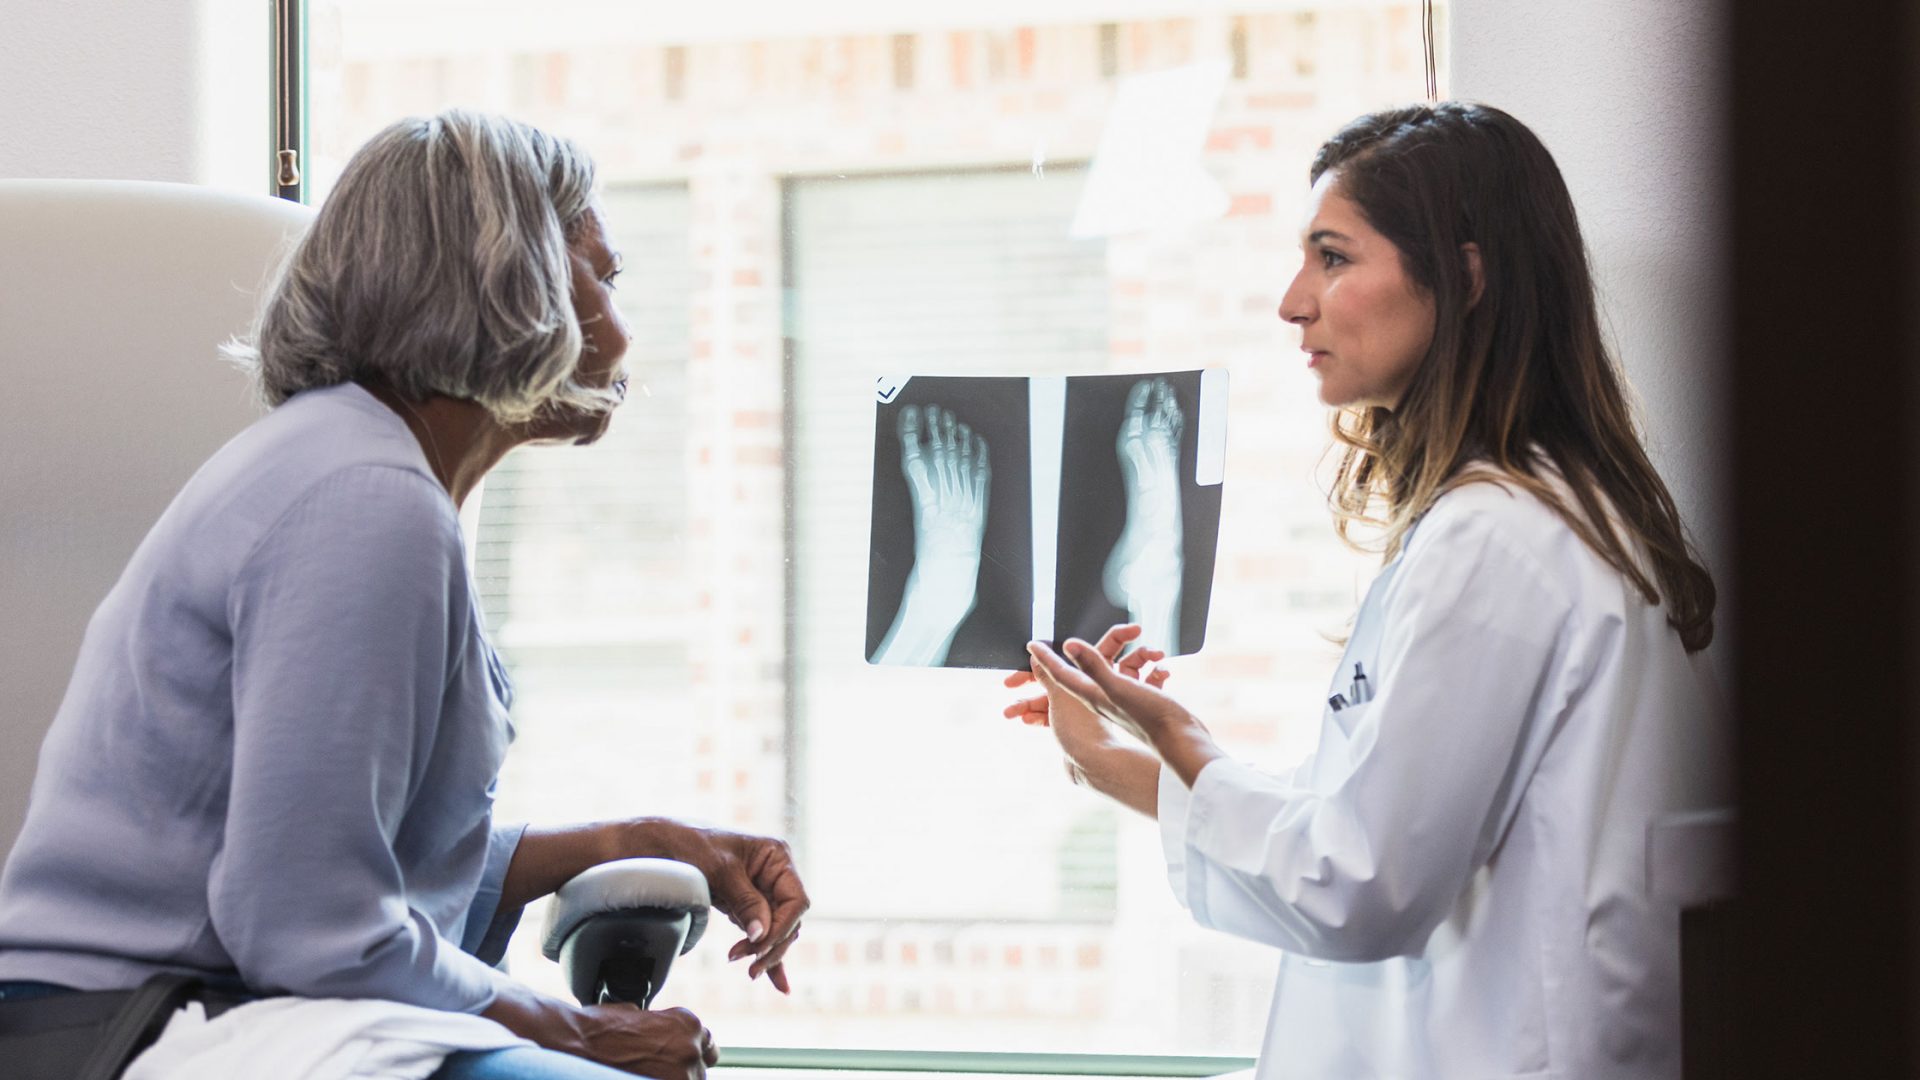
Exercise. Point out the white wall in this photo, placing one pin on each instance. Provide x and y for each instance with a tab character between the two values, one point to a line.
106	89
98	88
1628	96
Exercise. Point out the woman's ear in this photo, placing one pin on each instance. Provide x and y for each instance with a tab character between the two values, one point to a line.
1476	281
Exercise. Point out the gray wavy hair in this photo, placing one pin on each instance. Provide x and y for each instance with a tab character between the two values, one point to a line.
437	266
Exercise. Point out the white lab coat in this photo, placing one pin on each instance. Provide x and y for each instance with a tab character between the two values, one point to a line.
1457	878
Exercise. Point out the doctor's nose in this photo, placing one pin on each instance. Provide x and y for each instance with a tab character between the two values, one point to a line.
1296	306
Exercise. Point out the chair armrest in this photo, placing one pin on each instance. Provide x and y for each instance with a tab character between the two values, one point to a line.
625	885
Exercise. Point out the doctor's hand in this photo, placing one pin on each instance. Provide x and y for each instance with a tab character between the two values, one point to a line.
1096	756
1137	707
754	883
1081	733
1089	676
1037	710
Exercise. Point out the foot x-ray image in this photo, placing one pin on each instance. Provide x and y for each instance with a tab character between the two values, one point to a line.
1013	508
950	562
1132	466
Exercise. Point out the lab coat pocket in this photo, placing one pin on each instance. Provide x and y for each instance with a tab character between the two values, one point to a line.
1350	723
1344	735
1355	685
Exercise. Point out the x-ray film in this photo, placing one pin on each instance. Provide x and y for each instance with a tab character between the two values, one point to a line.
1010	508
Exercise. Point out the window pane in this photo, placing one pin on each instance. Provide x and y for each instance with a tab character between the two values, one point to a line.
581	560
807	197
960	273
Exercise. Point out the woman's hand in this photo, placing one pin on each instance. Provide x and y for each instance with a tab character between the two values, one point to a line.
1035	710
1131	704
666	1044
1094	754
754	883
751	878
1080	732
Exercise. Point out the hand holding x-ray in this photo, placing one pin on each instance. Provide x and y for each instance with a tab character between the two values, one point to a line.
1082	734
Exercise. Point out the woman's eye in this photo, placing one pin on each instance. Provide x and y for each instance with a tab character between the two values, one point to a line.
608	280
1331	259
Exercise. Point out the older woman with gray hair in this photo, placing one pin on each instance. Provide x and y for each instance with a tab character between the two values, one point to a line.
274	765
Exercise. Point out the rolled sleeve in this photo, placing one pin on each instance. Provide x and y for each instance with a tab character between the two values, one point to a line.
489	926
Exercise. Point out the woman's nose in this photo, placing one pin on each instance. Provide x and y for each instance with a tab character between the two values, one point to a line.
1295	305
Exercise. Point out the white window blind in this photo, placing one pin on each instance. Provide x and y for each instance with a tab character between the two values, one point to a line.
968	273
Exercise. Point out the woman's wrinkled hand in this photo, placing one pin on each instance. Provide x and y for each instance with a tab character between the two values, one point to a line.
754	883
666	1044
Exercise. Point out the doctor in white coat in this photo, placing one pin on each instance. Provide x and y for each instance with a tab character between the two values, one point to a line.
1456	879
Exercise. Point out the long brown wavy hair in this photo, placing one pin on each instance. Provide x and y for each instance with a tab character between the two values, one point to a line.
1519	379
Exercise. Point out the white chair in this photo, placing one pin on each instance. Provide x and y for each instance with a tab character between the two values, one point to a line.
114	296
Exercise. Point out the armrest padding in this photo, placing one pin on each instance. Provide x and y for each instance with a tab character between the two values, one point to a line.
622	886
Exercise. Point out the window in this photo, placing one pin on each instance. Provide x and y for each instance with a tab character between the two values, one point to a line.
581	561
809	196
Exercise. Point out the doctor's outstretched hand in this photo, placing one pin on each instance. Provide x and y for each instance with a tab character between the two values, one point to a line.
1093	751
1087	677
1037	710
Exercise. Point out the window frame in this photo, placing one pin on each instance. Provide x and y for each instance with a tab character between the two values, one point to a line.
289	144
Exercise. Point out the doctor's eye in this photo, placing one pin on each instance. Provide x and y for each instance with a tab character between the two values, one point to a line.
1330	258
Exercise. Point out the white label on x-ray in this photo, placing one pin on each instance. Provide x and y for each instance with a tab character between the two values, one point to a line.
1046	430
1210	459
888	387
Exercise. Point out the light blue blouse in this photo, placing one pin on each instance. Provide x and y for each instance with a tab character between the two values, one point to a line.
276	757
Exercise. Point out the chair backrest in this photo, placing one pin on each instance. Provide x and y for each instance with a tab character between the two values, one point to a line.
113	298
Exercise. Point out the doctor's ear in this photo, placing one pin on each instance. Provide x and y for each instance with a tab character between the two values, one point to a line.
1476	281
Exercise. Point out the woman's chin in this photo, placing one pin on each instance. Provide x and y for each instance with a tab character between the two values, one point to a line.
1333	396
1336	396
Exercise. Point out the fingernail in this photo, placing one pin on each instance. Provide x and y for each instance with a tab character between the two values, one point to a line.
755	931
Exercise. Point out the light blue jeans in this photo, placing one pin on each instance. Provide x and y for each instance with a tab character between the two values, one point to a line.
523	1063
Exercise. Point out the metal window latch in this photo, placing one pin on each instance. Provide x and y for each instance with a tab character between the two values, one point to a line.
289	175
